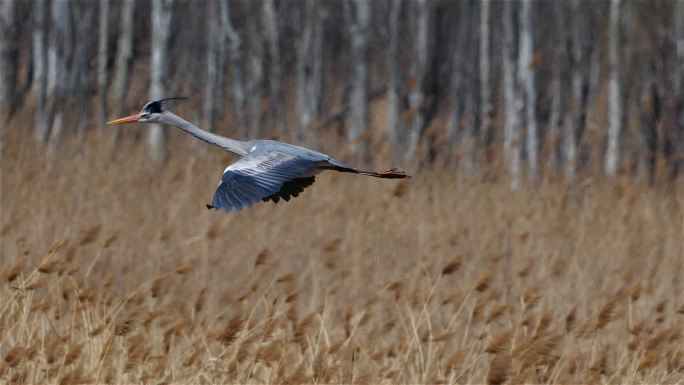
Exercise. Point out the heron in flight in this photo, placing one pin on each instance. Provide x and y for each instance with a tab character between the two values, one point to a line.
267	169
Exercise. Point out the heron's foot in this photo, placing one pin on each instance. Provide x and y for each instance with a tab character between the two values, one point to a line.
395	173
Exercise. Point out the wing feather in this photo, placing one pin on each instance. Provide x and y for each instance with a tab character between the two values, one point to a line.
260	176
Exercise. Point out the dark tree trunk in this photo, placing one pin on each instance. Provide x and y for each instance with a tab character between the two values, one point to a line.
8	67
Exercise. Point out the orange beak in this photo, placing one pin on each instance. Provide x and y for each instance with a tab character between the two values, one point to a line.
126	119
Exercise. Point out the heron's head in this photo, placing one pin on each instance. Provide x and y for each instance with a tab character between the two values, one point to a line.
152	112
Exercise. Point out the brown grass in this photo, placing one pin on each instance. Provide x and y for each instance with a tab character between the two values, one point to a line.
113	271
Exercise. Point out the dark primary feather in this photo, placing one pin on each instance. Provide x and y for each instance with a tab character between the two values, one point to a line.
291	189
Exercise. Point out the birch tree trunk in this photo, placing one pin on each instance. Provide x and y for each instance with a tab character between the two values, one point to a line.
526	72
573	119
418	69
214	67
676	143
468	92
458	65
584	153
589	144
161	20
558	71
612	157
39	81
553	162
485	90
235	46
511	143
102	58
470	113
7	59
393	79
274	74
309	69
78	82
59	52
124	54
358	96
648	104
255	72
221	39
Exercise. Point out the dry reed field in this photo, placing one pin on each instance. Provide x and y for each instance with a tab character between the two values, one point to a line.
114	272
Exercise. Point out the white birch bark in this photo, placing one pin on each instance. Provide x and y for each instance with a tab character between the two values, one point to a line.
512	121
304	43
485	90
236	65
309	69
470	129
315	84
526	72
318	56
392	128
53	62
221	39
255	78
467	93
612	157
59	52
274	73
39	62
124	54
418	68
102	57
211	85
7	62
161	20
358	96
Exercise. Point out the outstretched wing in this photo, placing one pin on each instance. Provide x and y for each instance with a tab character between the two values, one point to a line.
259	176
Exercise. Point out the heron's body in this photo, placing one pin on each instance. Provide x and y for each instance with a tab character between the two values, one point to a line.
266	170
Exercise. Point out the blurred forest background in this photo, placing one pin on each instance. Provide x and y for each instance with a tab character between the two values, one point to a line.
533	88
540	240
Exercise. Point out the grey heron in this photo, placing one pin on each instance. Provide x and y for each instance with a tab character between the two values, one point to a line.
267	169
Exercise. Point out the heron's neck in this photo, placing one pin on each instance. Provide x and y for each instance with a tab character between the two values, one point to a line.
235	147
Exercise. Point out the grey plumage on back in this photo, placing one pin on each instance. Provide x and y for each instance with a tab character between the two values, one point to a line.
266	170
